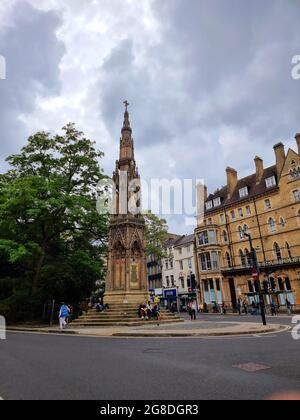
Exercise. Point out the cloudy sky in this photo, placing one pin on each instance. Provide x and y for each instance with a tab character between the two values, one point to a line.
209	81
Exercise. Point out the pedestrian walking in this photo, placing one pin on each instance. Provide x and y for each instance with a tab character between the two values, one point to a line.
273	309
63	315
224	308
156	313
193	310
239	308
245	308
215	307
157	302
288	307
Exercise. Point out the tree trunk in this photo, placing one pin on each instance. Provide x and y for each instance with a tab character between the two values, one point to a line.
38	269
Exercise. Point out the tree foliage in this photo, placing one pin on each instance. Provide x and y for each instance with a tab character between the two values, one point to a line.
156	235
52	240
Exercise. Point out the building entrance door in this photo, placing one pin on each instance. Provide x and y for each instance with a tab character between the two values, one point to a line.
233	293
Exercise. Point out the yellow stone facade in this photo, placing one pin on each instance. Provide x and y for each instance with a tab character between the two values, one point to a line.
265	205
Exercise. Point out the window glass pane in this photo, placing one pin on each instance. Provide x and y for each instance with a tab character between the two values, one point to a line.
243	192
296	195
271	182
215	259
268	204
288	284
217	202
212	237
208	261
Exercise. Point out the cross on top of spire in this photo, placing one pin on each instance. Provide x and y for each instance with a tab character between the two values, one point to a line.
126	125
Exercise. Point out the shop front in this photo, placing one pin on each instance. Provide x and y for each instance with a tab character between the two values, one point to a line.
171	299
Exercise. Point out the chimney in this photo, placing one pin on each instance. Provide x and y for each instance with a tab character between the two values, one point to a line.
205	193
297	137
280	157
201	200
259	164
232	180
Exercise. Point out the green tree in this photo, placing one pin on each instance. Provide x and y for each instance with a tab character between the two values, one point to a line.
156	234
50	231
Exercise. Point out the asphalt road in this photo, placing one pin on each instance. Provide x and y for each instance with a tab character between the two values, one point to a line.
46	367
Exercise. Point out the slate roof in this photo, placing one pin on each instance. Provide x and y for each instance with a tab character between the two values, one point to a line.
253	188
185	240
179	241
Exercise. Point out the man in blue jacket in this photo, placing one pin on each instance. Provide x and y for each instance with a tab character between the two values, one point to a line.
63	314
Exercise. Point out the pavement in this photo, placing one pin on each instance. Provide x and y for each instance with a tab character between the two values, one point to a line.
53	367
205	326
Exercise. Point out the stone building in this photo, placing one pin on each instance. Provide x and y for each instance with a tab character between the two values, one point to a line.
154	267
178	269
265	205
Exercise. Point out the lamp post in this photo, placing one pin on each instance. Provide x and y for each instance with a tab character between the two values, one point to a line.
255	266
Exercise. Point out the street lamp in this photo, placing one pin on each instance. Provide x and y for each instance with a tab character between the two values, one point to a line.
256	273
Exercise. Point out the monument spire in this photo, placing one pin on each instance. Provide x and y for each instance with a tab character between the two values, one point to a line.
126	124
126	142
127	280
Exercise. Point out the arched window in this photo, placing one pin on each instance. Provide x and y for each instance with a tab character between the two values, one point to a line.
243	258
248	257
246	229
241	233
288	248
228	260
225	236
282	222
272	225
277	251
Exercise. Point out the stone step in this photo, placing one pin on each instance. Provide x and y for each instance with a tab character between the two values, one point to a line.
109	313
116	320
121	315
123	310
116	317
115	311
119	324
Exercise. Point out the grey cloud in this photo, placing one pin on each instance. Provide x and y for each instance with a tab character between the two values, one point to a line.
123	80
231	63
221	69
32	54
246	47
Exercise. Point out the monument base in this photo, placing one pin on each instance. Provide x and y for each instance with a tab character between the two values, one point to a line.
124	298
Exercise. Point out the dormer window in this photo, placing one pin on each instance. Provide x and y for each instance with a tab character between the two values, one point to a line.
271	182
209	205
217	202
244	192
